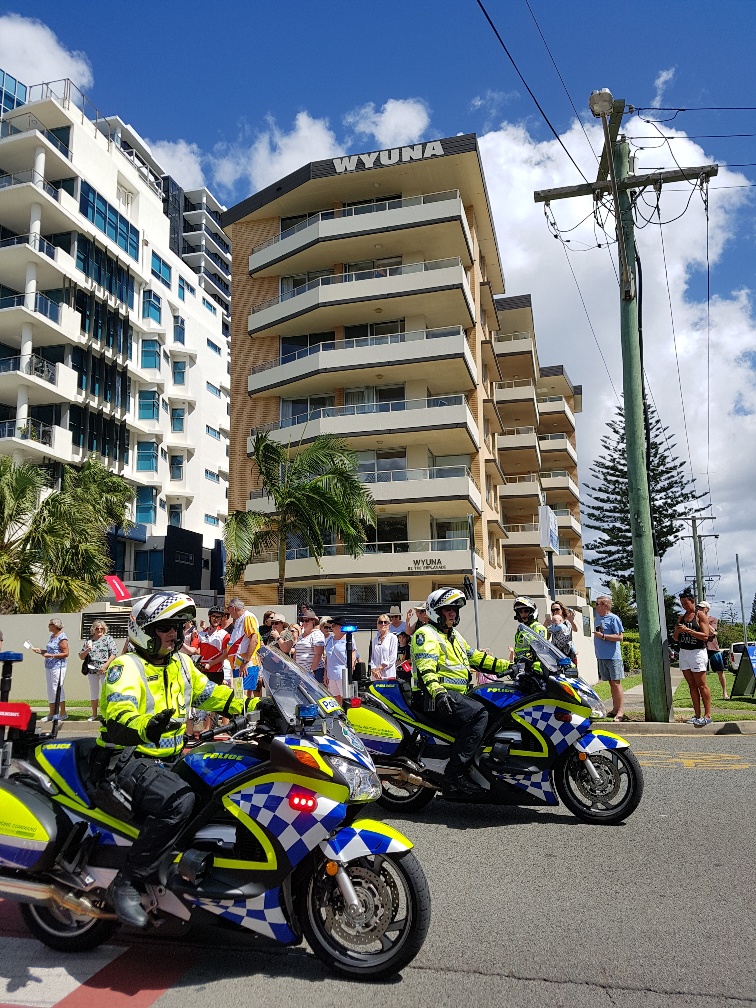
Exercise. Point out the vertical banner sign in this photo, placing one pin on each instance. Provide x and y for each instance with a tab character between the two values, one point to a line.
547	523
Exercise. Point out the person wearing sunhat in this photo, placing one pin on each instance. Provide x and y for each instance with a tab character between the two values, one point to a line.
396	623
691	634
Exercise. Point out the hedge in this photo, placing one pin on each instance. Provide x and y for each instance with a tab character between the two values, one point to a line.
631	658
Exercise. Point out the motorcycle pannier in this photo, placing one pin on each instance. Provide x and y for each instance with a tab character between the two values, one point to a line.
28	828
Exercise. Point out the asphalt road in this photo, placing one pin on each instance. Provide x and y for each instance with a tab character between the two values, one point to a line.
530	908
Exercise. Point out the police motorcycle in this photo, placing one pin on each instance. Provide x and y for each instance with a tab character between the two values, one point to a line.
539	745
277	842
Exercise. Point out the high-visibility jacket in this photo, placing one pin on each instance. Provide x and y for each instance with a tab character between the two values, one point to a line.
134	691
443	660
522	644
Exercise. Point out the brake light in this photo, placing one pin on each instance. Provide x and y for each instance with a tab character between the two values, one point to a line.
302	802
355	701
563	715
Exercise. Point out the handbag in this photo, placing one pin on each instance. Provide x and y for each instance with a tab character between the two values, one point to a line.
85	670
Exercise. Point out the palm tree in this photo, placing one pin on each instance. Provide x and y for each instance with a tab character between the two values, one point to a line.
316	494
53	547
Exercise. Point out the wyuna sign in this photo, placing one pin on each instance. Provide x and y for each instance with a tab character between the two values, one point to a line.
392	156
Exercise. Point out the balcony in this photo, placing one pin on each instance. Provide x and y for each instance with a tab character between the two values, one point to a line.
408	221
518	488
21	136
35	441
438	289
519	448
388	559
45	382
198	232
313	370
524	584
19	190
524	534
17	253
555	412
560	485
556	448
53	323
567	559
567	522
445	422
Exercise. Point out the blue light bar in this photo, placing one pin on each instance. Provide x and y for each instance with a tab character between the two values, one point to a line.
307	712
349	629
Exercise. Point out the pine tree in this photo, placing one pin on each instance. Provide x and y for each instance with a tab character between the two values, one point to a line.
752	620
607	511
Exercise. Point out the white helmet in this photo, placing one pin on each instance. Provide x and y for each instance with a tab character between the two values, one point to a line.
160	607
444	597
521	602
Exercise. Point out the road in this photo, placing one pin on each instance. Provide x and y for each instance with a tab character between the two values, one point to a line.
530	908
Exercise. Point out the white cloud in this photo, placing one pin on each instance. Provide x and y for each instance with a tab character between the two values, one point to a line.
181	160
534	262
33	54
399	121
664	77
274	153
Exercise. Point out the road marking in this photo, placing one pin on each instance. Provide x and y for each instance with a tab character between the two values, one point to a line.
693	760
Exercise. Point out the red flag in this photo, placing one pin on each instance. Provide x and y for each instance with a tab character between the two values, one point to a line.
118	588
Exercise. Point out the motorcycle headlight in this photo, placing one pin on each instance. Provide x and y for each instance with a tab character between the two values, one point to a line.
364	785
592	700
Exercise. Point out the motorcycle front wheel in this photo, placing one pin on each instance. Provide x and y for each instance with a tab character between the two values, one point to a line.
608	800
387	931
64	930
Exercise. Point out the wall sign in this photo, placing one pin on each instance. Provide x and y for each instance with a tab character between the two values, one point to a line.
385	158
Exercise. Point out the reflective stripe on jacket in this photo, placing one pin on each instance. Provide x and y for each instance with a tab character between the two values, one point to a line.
443	661
134	691
522	644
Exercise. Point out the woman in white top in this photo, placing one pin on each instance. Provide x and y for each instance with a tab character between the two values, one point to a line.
384	651
309	648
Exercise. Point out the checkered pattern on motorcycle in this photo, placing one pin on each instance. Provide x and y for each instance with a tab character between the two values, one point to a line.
263	914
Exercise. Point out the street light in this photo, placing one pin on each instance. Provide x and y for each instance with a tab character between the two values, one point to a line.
347	673
601	103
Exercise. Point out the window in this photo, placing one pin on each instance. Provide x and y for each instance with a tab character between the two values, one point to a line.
179	330
177	467
174	515
177	419
152	306
212	519
212	476
147	456
148	406
145	505
184	558
382	466
161	502
150	354
95	263
107	219
213	389
213	346
161	270
212	432
164	405
380	399
295	411
179	372
449	534
372	333
163	455
294	347
290	286
185	288
210	306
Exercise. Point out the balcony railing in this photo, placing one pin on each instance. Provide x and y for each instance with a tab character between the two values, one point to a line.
432	402
189	228
33	365
527	527
551	398
24	178
554	437
42	305
356	211
516	383
523	577
523	478
11	129
34	240
376	548
362	341
404	475
511	337
555	474
518	430
220	284
29	430
372	274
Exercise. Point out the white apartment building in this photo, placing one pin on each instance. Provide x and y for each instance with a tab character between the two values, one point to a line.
369	304
114	301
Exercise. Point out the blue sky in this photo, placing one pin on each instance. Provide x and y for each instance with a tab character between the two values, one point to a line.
263	88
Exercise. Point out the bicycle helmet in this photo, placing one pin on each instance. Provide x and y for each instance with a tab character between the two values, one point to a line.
158	608
521	602
444	597
215	611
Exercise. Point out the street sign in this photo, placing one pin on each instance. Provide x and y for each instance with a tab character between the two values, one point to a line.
549	530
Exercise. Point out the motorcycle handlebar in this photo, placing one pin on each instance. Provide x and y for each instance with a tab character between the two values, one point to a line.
236	724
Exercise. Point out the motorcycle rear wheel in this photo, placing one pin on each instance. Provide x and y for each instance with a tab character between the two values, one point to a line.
390	928
608	801
404	797
64	930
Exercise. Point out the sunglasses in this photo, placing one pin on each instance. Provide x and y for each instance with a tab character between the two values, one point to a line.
383	622
165	625
276	622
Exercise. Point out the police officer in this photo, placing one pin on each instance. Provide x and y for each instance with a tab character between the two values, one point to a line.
146	698
526	611
441	664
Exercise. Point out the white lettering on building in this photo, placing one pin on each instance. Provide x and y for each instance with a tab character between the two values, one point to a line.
391	156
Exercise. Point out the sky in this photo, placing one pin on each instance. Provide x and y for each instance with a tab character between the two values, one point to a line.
237	101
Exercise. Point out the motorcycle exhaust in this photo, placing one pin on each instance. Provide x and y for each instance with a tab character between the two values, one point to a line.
398	773
25	891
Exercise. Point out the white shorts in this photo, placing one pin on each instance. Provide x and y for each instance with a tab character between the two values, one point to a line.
694	661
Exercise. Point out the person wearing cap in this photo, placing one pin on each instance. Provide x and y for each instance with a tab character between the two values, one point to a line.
716	662
396	623
336	660
421	617
282	636
691	634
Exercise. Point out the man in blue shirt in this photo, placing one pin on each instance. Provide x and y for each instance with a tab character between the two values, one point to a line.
607	634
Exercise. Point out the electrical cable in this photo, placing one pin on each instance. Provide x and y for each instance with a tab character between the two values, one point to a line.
696	108
527	88
561	79
698	136
705	198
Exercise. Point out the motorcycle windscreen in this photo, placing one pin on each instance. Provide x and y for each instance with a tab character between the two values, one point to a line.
551	658
291	688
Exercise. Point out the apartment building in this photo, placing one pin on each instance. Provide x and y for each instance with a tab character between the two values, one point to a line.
365	305
114	299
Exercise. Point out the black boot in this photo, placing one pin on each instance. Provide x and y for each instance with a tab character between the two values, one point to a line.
127	902
460	782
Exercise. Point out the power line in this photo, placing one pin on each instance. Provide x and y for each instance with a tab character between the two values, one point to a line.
696	108
697	136
569	96
527	88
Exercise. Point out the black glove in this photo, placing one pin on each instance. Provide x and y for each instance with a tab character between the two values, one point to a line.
443	703
159	724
